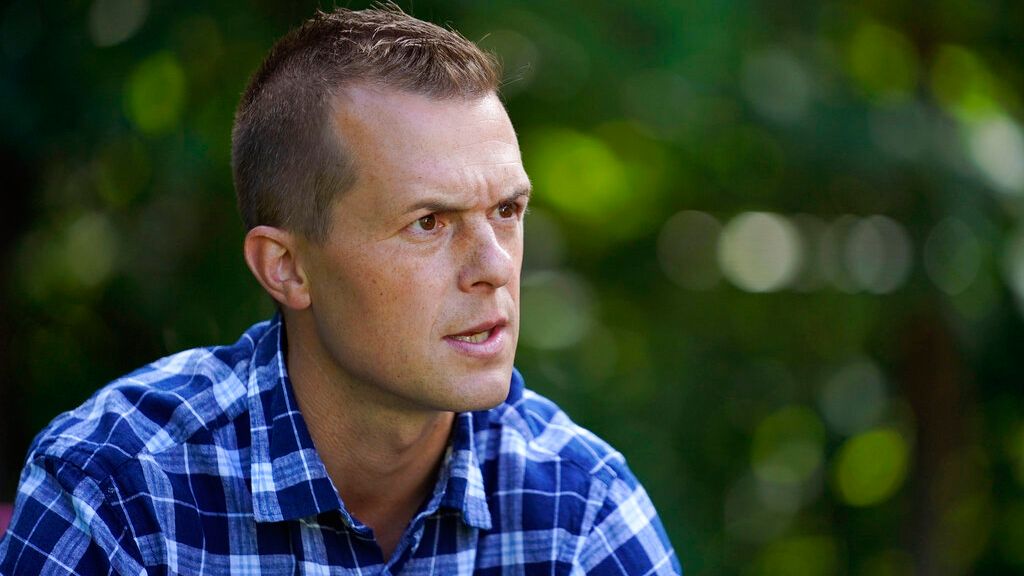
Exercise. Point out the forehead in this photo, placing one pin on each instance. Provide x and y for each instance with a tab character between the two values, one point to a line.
410	144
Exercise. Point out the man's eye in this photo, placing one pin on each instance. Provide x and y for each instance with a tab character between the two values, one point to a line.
507	209
428	222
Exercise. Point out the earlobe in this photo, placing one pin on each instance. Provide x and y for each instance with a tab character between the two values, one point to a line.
271	256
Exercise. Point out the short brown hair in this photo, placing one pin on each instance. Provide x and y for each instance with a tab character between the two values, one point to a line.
287	162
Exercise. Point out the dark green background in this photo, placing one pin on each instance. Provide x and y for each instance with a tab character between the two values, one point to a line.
747	400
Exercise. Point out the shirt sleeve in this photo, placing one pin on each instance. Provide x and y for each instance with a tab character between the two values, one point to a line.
627	537
63	525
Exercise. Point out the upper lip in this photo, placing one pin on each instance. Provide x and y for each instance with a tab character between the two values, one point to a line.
482	327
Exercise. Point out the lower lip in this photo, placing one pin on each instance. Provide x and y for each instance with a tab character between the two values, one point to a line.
489	348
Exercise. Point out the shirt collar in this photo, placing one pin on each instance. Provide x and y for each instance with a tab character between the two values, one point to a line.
289	480
462	479
464	488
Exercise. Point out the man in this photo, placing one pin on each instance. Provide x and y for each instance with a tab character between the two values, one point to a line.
376	424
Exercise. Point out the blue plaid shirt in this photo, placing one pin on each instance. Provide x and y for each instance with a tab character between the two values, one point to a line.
201	463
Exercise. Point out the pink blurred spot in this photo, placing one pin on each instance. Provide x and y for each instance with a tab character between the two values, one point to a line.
5	517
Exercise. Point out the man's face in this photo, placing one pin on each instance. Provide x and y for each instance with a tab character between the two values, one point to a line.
415	293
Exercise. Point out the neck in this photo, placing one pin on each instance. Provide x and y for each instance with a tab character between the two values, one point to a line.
382	455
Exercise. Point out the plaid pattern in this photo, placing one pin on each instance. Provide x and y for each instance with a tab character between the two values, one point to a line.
200	463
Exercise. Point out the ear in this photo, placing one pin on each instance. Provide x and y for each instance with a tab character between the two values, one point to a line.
271	255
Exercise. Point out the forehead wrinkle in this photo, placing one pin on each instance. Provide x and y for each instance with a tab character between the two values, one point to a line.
441	198
508	163
476	144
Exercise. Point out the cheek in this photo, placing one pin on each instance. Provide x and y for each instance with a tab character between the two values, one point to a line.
402	296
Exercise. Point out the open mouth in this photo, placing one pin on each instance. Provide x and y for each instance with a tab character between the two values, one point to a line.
475	338
485	340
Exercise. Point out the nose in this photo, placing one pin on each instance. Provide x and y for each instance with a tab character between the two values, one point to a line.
488	261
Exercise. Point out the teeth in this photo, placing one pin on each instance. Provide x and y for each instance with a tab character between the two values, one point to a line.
474	338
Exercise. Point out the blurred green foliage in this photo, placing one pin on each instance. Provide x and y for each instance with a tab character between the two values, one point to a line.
775	254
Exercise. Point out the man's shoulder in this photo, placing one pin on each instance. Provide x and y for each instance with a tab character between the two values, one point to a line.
152	409
536	429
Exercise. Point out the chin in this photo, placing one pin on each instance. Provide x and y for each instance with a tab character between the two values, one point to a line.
483	392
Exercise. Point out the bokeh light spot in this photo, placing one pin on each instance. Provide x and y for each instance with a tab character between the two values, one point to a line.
871	467
882	62
854	398
760	251
878	254
90	249
687	247
962	84
155	95
68	259
952	255
579	174
996	147
556	310
776	85
114	21
788	446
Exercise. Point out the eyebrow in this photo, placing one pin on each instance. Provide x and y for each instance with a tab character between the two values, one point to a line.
437	205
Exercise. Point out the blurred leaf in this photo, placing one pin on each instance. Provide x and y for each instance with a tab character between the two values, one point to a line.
871	467
155	94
